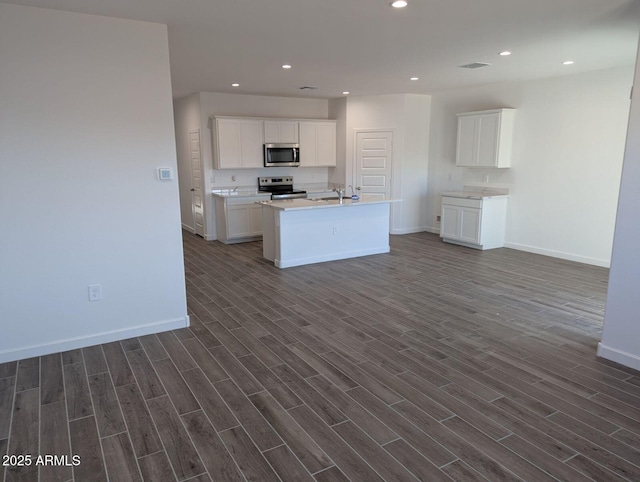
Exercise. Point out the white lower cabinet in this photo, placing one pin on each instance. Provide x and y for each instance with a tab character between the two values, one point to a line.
476	223
239	219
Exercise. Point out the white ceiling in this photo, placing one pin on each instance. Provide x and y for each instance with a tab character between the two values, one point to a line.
367	47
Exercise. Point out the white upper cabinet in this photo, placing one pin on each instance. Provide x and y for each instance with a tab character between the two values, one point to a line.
485	138
281	131
238	143
317	143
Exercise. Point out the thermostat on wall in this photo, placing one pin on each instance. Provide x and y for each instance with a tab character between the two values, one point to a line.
165	174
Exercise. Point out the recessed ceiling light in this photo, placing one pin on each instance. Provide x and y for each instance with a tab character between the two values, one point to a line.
505	53
235	85
399	3
414	78
568	62
346	92
286	66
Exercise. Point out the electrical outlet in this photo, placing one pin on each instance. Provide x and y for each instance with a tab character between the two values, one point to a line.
438	218
95	292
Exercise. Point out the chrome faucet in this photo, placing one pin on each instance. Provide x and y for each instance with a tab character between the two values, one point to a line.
340	192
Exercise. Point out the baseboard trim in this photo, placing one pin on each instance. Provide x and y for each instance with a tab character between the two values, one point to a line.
96	339
559	254
188	228
419	229
289	263
432	230
619	356
210	237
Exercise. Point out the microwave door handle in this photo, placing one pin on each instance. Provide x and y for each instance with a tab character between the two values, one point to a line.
295	154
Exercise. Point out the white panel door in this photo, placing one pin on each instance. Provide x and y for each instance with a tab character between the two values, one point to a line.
197	207
374	158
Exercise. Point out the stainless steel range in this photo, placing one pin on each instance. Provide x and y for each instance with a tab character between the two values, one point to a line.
280	188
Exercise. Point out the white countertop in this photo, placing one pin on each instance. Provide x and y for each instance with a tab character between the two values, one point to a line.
473	192
239	192
299	204
248	191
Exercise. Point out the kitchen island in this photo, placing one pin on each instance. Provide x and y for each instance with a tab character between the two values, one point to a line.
305	231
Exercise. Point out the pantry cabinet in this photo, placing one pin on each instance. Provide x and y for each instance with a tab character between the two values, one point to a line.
317	143
281	131
485	138
476	223
238	143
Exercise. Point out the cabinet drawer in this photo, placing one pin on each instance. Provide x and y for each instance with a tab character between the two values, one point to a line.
462	202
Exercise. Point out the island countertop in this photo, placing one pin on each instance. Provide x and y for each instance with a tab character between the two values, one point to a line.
302	204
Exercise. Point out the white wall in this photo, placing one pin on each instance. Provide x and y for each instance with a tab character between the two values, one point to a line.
407	115
188	118
566	164
86	119
621	334
259	106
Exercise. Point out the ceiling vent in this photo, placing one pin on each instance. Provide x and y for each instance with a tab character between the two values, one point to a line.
475	65
308	87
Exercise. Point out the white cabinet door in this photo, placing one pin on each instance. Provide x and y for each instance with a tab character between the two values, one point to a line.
470	225
326	151
238	221
228	152
460	223
256	219
281	131
484	138
450	222
251	144
466	149
487	149
244	220
317	143
239	143
308	144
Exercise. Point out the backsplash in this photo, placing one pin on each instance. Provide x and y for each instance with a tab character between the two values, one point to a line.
249	177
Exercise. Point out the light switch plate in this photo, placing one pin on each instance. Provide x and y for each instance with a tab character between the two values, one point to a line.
165	174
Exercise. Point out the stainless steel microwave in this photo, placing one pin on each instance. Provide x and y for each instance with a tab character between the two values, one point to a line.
281	155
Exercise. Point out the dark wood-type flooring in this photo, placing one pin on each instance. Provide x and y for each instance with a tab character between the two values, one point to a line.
434	362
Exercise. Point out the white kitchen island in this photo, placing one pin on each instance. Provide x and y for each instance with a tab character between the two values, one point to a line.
305	231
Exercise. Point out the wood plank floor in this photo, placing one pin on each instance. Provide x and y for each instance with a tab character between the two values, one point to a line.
434	362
